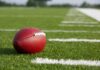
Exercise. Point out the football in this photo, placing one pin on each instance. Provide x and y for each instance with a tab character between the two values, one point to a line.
29	40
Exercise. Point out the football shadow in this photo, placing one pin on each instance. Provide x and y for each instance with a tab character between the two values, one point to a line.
7	51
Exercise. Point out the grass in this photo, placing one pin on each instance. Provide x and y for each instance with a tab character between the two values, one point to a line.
30	19
74	35
38	17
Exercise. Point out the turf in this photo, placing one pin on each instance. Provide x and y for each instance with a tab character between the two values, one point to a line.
45	19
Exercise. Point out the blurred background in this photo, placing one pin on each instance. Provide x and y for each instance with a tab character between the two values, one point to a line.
51	3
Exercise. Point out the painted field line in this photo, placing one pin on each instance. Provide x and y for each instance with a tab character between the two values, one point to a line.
48	16
54	31
78	22
85	25
9	30
93	13
73	15
66	62
71	31
73	40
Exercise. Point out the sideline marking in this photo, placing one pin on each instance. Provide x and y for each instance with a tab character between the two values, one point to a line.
73	40
93	13
66	62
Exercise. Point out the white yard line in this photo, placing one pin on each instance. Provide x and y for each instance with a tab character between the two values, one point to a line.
9	30
94	13
78	22
70	31
48	16
66	62
75	15
55	31
73	40
73	25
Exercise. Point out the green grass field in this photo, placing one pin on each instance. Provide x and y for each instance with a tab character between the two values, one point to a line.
46	19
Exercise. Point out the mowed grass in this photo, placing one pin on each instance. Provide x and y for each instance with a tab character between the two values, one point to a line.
31	17
45	19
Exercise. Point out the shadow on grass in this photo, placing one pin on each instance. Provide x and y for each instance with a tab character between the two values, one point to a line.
7	51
